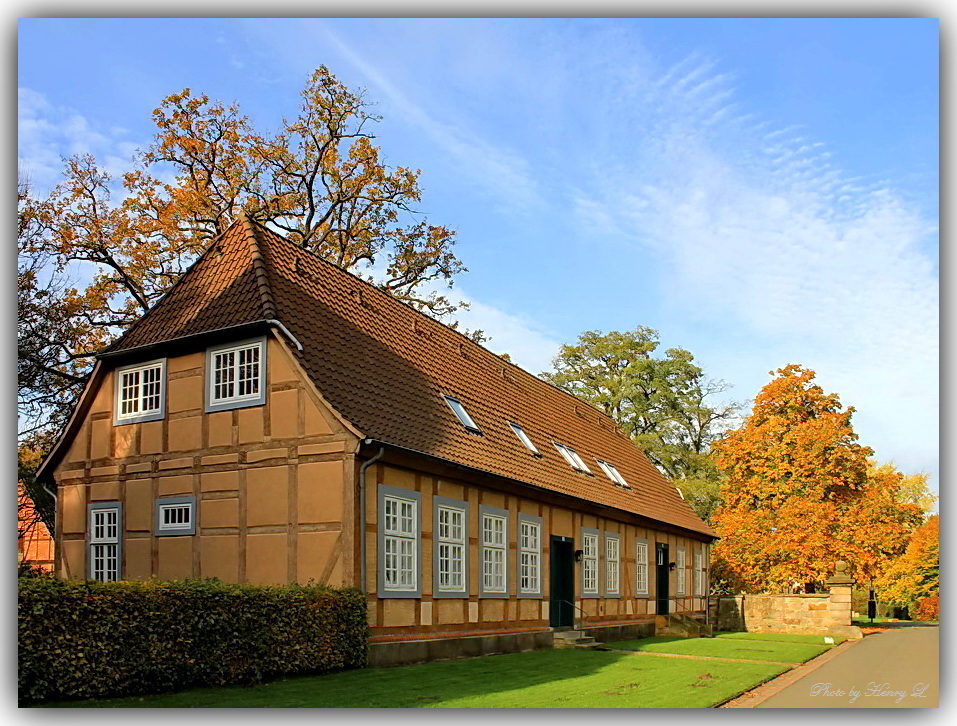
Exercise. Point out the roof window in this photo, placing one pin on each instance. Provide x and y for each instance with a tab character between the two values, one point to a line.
523	437
456	405
572	457
612	473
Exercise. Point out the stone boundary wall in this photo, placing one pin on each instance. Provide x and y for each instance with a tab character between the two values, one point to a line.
819	614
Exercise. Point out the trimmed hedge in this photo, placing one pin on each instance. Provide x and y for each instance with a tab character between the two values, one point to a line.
86	639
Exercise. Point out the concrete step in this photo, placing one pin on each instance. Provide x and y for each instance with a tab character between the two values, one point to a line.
574	639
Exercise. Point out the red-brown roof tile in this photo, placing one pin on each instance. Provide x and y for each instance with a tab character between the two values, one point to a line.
385	367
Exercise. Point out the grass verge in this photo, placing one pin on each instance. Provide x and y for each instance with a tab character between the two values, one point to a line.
744	648
542	679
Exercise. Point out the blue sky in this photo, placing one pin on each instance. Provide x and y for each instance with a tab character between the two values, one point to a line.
761	191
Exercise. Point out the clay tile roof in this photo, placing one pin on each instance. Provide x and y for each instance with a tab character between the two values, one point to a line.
385	368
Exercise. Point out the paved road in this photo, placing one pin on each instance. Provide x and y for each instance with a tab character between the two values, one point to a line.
898	668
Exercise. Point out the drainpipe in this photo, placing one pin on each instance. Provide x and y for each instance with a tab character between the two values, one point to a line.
362	514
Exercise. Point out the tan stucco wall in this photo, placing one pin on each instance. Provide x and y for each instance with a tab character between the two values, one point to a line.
390	616
273	483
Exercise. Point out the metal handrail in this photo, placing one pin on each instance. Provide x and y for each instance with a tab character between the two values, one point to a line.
582	619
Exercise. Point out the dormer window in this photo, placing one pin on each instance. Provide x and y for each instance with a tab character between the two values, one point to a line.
523	437
572	457
613	473
463	415
140	392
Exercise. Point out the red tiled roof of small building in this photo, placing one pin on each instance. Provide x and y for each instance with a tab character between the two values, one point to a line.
385	367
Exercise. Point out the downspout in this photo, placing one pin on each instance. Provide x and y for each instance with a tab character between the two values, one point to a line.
362	514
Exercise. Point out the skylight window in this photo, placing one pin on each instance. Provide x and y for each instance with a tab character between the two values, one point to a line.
613	473
572	457
456	405
523	437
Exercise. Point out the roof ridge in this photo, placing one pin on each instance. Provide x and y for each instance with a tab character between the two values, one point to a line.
214	243
316	256
258	258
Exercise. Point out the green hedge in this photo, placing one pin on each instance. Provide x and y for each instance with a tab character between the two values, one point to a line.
92	639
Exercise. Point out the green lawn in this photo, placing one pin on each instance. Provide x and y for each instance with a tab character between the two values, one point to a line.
749	648
542	679
781	637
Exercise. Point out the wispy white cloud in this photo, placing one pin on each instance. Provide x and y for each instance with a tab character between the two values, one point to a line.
48	133
761	232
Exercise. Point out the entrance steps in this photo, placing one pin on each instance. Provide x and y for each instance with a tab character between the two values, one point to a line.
575	639
682	626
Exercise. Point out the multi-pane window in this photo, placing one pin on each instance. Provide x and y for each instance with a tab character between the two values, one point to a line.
641	571
613	473
612	565
494	545
529	555
451	544
105	542
590	563
572	457
680	572
400	543
175	515
139	392
463	415
523	437
699	573
236	375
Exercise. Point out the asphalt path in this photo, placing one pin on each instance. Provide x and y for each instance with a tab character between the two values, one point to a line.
898	668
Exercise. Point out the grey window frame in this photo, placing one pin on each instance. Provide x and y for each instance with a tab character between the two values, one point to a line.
647	569
531	519
92	507
448	503
484	510
616	537
525	439
398	493
681	572
230	404
598	543
181	531
462	414
154	415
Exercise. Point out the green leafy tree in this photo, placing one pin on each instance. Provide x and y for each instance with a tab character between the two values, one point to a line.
665	402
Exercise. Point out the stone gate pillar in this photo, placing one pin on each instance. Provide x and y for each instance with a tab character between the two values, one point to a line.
839	607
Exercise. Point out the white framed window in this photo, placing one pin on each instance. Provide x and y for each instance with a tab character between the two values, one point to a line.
463	415
613	473
589	562
529	555
236	375
175	516
105	521
400	543
681	573
641	567
523	437
494	545
699	574
572	457
140	392
451	523
612	564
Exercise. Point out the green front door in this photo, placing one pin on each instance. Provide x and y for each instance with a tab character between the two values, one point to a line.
561	611
661	578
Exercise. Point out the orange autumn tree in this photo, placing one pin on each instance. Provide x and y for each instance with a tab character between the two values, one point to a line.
915	575
798	496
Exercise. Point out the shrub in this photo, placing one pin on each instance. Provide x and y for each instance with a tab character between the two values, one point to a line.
928	608
86	639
